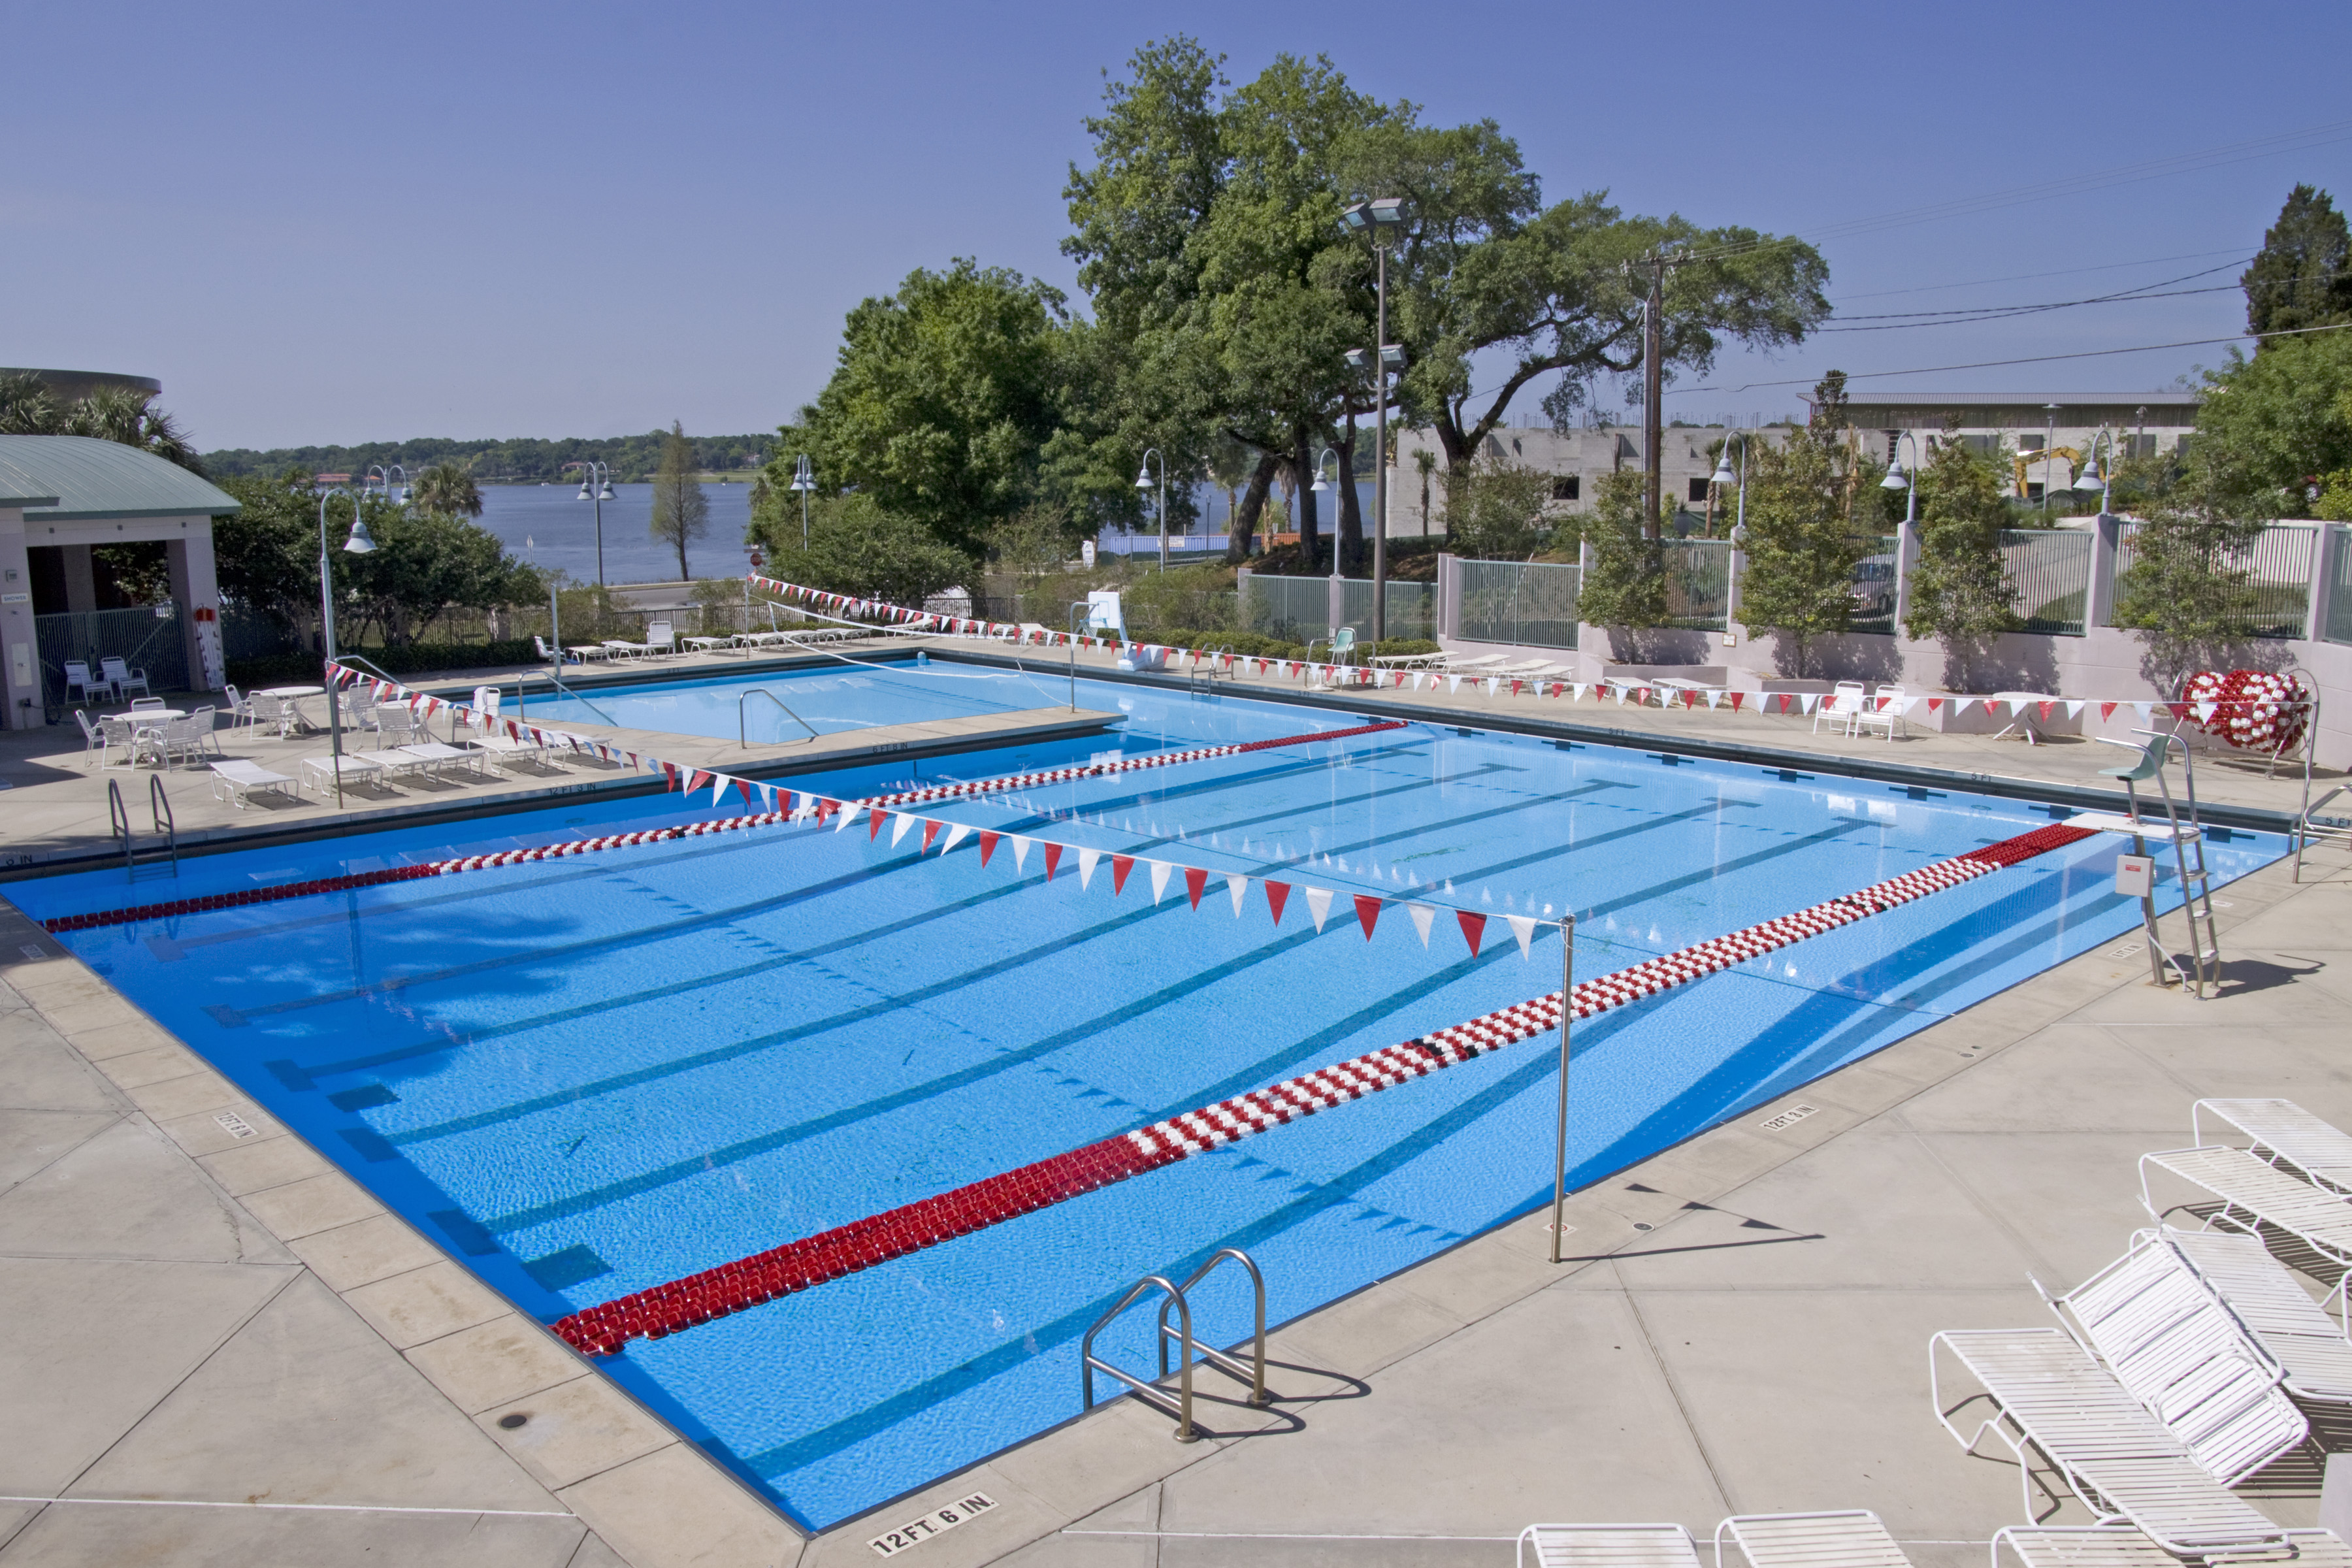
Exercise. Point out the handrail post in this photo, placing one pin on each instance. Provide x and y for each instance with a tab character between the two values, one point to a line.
117	823
1087	1362
159	810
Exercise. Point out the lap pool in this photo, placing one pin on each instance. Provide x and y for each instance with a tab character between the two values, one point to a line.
588	1077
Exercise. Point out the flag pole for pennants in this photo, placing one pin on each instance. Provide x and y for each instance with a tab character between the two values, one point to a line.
1567	1011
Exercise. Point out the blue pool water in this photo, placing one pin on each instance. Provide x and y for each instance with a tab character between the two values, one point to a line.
588	1077
842	697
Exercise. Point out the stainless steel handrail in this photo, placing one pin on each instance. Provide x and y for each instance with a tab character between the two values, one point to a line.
1254	1373
159	810
1089	1363
118	821
763	691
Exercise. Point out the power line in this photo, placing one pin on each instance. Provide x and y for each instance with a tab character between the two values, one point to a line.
2142	291
2030	277
2124	174
2033	359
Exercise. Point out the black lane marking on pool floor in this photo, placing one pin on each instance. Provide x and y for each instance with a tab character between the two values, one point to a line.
768	1142
697	919
650	855
653	1071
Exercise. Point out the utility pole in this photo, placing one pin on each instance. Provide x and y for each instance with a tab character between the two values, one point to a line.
1654	396
1380	454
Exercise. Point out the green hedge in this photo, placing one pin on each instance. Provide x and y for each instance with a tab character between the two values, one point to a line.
416	658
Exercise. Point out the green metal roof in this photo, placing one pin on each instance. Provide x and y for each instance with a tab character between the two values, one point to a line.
83	477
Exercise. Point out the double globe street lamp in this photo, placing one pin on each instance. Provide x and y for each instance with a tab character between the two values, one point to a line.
596	485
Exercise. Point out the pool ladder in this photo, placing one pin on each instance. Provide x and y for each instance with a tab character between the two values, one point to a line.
1187	1349
1203	677
2202	967
159	808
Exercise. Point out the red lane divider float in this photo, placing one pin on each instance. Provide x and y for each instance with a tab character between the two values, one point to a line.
813	1260
820	806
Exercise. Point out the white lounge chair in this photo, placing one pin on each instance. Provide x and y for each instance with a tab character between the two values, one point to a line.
394	761
322	772
2307	1346
121	678
504	750
1882	709
2116	1546
239	779
2170	1341
708	644
1845	701
2282	1134
2122	1462
439	758
1846	1538
1606	1546
2253	1194
78	679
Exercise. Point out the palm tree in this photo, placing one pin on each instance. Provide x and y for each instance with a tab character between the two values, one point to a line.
447	488
26	407
116	413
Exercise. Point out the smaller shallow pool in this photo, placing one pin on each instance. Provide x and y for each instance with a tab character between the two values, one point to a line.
851	696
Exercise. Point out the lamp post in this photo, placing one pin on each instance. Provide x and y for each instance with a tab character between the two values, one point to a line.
1332	456
1143	482
2049	440
803	481
1737	562
1383	219
2091	477
357	543
596	485
1907	544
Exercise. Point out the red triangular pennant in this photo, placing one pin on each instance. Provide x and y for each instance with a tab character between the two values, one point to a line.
930	830
1368	910
987	844
874	816
1052	858
1473	928
670	772
1735	696
1196	878
1277	894
1121	865
745	785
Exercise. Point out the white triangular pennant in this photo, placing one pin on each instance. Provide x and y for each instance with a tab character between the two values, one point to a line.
1714	698
1808	701
898	828
1019	852
957	832
1236	884
1318	904
1421	915
1453	684
2143	710
2075	709
1159	869
1088	859
848	814
1524	928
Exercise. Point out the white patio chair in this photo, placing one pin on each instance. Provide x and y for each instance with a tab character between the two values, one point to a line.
2118	1546
2309	1348
2252	1194
240	707
551	656
1882	709
2281	1132
276	712
140	704
1606	1546
400	725
80	679
483	716
93	736
192	736
1844	702
240	779
660	642
122	678
2051	1397
2184	1356
1844	1538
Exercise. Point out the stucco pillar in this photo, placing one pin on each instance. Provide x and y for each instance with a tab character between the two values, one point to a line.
81	578
1907	559
20	650
2099	602
196	588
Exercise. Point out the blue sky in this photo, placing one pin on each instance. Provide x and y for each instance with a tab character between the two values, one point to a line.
329	223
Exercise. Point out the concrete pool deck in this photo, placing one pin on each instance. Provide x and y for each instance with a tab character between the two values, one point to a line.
209	1316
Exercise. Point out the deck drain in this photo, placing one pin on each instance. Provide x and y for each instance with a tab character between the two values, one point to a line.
511	1421
1642	1225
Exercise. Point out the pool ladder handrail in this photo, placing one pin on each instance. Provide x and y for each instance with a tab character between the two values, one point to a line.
1195	677
159	811
763	691
1187	1349
2204	965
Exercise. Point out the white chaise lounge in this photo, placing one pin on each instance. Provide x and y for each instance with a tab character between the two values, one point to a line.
1606	1546
1843	1538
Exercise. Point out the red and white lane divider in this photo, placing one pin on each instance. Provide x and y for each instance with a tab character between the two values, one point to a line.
731	1288
795	806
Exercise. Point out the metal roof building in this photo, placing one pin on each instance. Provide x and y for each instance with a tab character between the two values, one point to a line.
60	497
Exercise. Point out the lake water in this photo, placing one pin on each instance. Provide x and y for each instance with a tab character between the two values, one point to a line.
550	527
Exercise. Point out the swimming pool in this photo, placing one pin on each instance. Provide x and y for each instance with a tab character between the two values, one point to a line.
846	696
590	1076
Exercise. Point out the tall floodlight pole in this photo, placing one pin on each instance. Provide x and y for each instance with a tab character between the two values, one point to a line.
1567	1011
1143	482
359	543
596	485
1384	218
